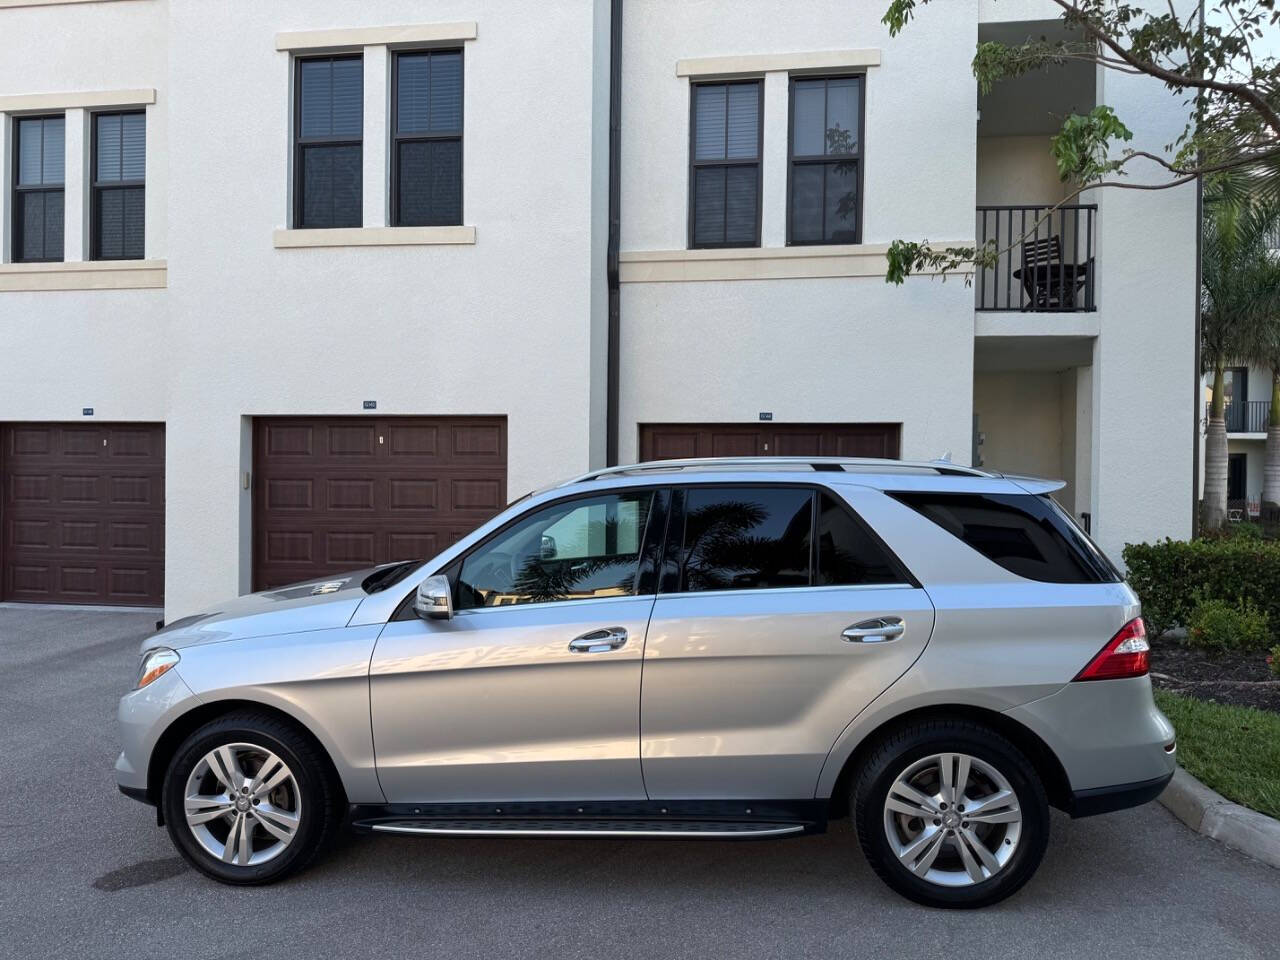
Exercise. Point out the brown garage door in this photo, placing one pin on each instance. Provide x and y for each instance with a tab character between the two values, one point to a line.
676	441
332	495
83	513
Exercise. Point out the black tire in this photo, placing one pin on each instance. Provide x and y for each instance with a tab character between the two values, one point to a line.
894	754
322	806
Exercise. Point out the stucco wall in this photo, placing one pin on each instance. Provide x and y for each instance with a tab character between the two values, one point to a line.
503	326
817	349
63	351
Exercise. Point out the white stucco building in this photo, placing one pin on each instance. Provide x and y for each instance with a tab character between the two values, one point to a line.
369	293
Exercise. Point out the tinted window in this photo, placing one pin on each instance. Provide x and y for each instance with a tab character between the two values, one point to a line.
847	551
568	551
1027	535
328	155
38	188
427	139
825	154
119	185
725	179
740	538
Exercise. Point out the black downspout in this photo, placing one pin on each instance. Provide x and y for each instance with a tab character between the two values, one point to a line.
1199	371
613	361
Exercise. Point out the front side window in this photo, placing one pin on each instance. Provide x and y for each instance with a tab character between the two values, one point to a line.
329	130
119	185
724	179
747	538
575	550
426	149
826	153
39	153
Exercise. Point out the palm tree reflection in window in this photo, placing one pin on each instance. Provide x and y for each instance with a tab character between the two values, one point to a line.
732	542
545	579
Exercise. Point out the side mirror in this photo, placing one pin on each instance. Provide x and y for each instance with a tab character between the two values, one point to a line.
435	599
548	548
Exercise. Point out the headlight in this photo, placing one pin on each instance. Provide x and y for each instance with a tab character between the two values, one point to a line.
155	664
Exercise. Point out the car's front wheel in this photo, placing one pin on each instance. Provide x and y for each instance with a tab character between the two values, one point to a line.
950	814
248	799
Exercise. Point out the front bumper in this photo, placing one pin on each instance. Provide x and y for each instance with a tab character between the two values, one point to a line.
143	716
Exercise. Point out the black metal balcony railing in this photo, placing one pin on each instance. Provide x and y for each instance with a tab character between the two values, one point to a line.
1047	261
1251	416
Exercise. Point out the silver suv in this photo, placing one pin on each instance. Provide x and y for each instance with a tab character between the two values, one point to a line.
726	649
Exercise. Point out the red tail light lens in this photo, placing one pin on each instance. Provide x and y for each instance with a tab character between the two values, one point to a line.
1125	655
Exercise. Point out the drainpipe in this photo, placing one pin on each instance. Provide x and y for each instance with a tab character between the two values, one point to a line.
613	361
1199	372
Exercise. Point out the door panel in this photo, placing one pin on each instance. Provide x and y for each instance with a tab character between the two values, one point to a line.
493	705
746	691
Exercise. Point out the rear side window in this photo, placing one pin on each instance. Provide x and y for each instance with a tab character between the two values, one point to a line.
755	537
1026	534
847	552
747	538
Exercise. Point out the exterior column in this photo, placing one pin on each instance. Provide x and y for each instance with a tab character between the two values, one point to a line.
377	106
75	236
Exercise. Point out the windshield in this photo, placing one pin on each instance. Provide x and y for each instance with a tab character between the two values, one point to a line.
389	575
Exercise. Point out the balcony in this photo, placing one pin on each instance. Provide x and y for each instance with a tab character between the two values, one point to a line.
1250	416
1047	262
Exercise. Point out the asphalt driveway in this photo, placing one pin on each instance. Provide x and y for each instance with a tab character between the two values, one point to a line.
85	873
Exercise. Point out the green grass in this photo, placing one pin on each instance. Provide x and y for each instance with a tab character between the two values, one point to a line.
1234	750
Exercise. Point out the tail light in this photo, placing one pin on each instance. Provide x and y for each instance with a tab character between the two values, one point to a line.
1125	655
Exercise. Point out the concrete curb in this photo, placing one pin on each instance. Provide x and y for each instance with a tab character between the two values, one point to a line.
1209	813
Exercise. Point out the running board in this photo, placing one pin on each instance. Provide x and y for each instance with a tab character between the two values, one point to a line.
567	827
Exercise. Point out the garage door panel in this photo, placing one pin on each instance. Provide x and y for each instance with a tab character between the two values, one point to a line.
686	440
83	516
336	494
413	440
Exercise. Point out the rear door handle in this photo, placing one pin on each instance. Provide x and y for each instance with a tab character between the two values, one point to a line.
875	630
599	641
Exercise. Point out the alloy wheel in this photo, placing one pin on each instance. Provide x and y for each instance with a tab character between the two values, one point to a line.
242	804
952	819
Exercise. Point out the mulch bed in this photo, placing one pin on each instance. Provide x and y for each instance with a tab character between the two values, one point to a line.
1237	679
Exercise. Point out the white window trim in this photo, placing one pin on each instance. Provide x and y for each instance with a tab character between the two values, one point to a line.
372	236
759	263
376	46
85	275
86	99
311	40
77	106
757	64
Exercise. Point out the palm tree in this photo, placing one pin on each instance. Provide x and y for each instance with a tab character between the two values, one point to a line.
1262	347
1237	293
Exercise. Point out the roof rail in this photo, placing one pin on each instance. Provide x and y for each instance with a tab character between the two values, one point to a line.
816	463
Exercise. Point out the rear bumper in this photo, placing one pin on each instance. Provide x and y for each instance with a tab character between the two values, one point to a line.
1088	803
1110	739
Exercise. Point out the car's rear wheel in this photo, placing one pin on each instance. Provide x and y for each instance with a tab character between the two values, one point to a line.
950	814
248	799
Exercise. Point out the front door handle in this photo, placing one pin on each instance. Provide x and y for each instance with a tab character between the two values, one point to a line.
875	630
599	641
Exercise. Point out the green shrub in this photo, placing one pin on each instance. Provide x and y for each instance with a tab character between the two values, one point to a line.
1219	625
1172	576
1273	661
1245	530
